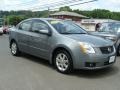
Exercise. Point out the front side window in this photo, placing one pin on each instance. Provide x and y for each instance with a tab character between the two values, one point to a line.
66	27
39	25
25	26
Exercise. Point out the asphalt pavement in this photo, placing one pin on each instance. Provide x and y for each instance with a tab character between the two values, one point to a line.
31	73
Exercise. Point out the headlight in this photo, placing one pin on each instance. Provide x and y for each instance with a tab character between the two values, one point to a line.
86	48
111	38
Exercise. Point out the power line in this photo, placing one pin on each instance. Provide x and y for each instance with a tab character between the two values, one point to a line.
62	2
56	4
24	4
43	5
52	5
84	2
73	4
33	1
79	3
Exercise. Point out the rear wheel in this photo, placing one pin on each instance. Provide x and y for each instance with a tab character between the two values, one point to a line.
14	49
63	61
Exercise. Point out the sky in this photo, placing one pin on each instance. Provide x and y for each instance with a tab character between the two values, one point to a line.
112	5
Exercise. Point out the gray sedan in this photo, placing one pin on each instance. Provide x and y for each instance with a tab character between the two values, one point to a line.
63	43
111	31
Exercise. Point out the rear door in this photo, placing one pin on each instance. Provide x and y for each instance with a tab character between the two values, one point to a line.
23	35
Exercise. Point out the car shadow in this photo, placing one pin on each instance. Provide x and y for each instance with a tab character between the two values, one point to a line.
36	60
90	74
94	74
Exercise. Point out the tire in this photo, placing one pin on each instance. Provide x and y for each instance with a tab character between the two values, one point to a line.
118	50
1	34
63	62
14	49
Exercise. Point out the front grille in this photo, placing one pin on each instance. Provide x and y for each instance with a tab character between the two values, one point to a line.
107	50
106	63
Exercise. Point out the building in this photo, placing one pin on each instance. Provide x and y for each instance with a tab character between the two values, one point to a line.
90	24
68	15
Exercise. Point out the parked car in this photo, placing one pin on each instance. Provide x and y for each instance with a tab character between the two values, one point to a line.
1	30
6	29
111	31
65	44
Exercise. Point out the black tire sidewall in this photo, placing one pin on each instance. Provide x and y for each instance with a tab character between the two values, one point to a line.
118	53
70	65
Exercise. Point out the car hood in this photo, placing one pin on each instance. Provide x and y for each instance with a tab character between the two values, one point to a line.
103	34
92	40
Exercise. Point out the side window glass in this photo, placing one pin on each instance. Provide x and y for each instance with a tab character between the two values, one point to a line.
103	28
39	25
25	26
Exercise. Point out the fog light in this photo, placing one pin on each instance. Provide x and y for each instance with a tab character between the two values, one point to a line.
89	64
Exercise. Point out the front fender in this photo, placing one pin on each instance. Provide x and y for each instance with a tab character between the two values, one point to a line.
61	46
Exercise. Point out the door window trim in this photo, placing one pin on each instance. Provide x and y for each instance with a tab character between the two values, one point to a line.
37	20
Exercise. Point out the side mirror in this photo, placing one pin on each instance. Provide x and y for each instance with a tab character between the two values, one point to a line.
118	30
46	32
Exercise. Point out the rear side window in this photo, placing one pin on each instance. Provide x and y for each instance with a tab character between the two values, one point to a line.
25	26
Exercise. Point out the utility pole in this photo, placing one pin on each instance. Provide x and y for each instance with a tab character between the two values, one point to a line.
48	12
4	20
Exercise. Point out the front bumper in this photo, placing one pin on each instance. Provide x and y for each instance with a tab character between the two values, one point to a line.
97	68
93	61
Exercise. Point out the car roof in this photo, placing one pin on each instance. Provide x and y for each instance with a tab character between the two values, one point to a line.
43	19
117	22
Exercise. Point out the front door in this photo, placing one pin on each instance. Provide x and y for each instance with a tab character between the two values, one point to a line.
39	43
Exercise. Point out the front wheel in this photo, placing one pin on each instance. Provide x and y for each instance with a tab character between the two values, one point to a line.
14	49
63	62
118	50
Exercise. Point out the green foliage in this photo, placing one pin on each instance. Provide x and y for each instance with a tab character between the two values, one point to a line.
100	14
97	13
14	19
66	8
28	14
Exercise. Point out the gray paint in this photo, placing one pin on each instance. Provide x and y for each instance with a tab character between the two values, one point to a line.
43	46
109	34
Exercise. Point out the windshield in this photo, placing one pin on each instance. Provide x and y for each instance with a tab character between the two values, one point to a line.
67	27
113	27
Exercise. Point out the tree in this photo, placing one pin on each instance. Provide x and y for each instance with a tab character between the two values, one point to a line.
14	19
66	8
97	13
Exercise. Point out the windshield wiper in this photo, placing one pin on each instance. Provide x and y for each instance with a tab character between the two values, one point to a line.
65	33
82	33
73	33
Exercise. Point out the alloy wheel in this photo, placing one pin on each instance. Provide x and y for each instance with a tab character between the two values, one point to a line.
14	48
62	62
